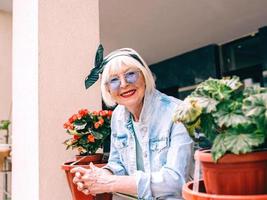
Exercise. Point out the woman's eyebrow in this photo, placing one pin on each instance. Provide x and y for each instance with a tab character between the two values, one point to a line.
125	71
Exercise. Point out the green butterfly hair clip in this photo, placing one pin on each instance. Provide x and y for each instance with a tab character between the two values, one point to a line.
98	69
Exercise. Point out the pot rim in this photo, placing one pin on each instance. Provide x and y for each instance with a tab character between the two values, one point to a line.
187	192
204	155
68	165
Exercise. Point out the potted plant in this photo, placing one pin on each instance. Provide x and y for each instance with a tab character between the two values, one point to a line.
4	124
88	130
232	121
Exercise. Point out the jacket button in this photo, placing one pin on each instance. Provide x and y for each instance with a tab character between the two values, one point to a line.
144	129
145	154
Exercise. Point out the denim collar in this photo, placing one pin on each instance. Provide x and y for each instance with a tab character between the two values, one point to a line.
144	116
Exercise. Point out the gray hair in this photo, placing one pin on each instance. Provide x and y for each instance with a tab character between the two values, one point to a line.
115	61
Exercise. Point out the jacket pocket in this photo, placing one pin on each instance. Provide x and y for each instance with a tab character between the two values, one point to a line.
157	145
121	142
159	149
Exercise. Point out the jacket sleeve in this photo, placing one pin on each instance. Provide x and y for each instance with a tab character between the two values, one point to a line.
114	162
171	177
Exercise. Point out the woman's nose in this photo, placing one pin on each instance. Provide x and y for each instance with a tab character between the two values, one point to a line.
123	82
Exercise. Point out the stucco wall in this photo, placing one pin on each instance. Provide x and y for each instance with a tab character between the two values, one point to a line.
5	63
5	75
68	38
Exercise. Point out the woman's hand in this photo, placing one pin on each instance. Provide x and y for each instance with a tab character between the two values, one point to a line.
97	180
92	181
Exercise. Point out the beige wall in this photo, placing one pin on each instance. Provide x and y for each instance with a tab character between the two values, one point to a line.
5	75
5	63
68	38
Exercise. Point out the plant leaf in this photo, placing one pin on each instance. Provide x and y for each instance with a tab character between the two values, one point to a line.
218	148
213	88
248	91
188	111
208	127
229	114
191	128
4	124
97	135
73	132
224	118
235	143
242	143
233	83
255	105
207	104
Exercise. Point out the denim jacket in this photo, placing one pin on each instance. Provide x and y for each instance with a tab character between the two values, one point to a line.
167	148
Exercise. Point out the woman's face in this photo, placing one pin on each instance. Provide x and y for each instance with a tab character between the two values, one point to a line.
127	86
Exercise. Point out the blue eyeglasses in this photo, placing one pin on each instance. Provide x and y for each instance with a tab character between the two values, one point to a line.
130	77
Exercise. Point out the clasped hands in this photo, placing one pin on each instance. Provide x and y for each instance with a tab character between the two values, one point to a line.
92	181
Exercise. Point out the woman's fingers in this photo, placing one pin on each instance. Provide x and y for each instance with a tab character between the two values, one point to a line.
76	180
80	186
89	178
81	170
98	188
86	191
78	174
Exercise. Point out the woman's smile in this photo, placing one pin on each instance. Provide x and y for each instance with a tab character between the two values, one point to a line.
128	93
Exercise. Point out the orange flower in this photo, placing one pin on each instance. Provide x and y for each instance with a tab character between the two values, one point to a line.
96	125
66	125
95	113
73	118
103	113
71	127
100	121
109	112
83	112
79	116
91	138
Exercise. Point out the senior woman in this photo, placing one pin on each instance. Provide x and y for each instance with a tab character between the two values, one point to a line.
150	155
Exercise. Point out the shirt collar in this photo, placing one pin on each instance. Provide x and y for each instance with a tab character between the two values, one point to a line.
149	97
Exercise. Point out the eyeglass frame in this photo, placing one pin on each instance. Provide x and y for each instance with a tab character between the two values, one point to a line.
116	88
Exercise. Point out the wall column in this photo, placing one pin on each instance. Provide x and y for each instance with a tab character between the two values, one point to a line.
64	42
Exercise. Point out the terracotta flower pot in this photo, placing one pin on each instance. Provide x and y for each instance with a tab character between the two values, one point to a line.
244	174
95	158
77	195
189	194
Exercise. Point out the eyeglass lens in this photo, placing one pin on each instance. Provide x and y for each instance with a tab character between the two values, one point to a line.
129	77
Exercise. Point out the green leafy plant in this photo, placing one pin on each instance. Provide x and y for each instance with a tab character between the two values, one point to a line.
4	124
88	130
230	117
